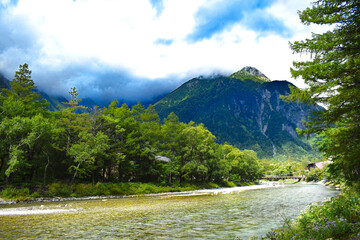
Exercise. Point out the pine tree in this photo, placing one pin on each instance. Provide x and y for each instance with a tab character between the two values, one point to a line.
24	129
21	99
333	76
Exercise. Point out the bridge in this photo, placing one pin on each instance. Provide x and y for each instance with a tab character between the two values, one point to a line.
275	178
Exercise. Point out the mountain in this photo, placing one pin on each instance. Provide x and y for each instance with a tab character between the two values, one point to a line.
245	110
54	101
4	83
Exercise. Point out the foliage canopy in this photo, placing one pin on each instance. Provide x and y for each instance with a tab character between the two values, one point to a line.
117	143
333	76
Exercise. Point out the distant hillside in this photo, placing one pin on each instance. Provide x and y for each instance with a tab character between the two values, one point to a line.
54	101
4	83
243	109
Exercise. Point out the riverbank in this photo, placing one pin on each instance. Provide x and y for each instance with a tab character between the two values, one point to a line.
58	191
337	218
336	185
210	191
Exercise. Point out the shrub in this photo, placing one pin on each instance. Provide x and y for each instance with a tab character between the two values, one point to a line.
82	190
102	189
225	183
314	175
19	194
212	185
35	195
116	189
338	218
58	189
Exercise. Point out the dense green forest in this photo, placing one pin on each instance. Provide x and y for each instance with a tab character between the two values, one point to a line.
115	143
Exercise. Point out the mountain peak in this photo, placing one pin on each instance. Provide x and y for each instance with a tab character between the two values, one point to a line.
244	110
248	70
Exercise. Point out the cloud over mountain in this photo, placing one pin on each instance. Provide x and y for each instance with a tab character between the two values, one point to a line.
136	50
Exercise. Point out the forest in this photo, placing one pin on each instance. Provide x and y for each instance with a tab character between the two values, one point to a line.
132	144
114	143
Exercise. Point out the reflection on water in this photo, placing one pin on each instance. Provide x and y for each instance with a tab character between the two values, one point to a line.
199	216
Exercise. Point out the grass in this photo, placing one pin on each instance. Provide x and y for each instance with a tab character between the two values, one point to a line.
60	189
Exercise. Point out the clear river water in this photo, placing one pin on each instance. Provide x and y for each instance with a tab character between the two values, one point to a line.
235	213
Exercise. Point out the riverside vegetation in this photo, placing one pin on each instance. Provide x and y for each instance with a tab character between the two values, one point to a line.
333	78
61	190
77	151
338	218
31	191
116	144
122	143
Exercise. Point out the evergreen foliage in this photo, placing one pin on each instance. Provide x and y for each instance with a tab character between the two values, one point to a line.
117	143
333	76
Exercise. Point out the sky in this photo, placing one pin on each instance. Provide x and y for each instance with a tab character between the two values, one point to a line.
135	50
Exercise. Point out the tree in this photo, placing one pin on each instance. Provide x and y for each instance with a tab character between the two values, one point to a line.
333	76
150	132
24	129
102	165
120	124
170	145
21	99
72	119
26	139
197	151
86	151
254	170
243	166
133	137
224	162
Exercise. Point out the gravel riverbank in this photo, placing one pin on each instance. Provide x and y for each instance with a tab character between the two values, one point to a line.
212	191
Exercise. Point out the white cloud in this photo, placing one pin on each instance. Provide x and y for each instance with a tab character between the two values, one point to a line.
122	35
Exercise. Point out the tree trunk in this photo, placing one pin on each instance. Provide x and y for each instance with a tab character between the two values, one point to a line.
30	157
68	142
108	174
2	160
46	167
76	171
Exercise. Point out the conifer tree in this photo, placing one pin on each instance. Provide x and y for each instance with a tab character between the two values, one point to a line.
333	76
21	99
24	131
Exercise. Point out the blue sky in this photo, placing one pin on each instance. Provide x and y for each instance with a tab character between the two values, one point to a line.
138	49
215	18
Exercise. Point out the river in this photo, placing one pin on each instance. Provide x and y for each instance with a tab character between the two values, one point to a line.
236	213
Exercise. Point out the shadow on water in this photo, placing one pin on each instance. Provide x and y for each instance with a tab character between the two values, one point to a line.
217	214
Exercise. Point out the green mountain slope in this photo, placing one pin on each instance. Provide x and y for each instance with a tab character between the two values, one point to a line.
54	101
4	83
243	109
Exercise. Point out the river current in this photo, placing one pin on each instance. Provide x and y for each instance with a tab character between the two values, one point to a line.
235	213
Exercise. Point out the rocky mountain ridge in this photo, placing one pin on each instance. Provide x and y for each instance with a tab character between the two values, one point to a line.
248	70
244	109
